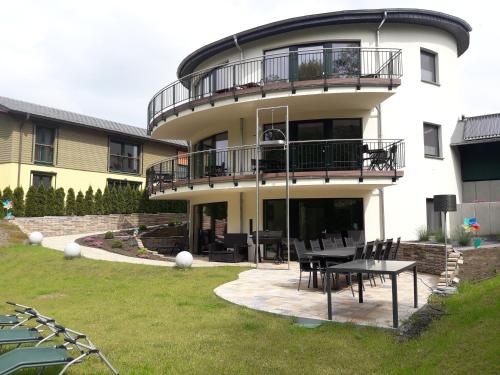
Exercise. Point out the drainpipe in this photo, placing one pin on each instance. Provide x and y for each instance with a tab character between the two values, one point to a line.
379	135
19	160
235	38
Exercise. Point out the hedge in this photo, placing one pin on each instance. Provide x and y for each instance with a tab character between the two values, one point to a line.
118	200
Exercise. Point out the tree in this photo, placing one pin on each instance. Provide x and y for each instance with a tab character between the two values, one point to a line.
7	194
129	200
88	202
98	202
18	202
79	204
120	200
70	202
30	209
59	202
106	201
41	201
50	202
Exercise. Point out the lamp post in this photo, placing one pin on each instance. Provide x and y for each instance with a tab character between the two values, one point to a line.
263	143
445	203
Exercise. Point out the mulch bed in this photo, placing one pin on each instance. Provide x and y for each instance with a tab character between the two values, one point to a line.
420	321
480	264
129	245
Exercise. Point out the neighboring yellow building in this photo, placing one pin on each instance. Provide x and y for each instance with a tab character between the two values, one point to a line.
43	145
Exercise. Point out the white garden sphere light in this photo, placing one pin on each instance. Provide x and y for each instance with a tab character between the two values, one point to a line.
72	250
184	259
35	238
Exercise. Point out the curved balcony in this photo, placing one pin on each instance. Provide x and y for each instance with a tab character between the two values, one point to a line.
323	68
324	159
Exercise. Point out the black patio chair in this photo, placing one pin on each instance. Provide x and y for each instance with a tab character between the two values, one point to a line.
369	255
328	244
235	249
387	249
349	242
394	253
379	246
306	264
315	246
358	236
338	242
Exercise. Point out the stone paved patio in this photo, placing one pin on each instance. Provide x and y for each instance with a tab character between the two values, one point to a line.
275	291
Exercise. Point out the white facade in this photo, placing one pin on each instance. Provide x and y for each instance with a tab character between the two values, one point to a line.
403	111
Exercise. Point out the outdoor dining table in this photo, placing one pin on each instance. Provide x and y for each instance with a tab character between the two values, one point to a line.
385	267
341	253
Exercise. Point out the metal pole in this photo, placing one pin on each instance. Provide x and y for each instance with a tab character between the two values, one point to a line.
445	251
257	218
287	189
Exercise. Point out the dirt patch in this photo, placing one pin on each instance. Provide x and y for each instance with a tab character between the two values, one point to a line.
51	296
128	245
10	234
419	321
480	264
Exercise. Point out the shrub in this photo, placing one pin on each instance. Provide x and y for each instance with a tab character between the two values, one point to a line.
422	234
98	203
79	204
116	244
50	202
70	202
106	201
109	235
30	209
143	227
18	202
59	202
142	253
462	237
439	236
7	194
88	202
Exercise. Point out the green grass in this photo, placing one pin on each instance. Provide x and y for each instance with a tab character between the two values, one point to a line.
155	320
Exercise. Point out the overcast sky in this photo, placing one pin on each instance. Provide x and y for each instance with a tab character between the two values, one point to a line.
107	58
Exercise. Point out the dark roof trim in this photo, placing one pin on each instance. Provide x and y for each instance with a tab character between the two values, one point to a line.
456	26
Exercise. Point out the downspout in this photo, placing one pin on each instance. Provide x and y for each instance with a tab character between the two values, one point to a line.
381	200
235	38
19	160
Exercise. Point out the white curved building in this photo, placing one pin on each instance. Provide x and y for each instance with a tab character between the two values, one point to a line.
372	101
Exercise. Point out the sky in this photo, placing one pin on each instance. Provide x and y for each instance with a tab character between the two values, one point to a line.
107	58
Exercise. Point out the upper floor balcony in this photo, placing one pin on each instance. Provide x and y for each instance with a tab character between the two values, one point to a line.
281	72
310	162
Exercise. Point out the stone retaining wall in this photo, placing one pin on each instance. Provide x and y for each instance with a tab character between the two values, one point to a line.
63	225
430	257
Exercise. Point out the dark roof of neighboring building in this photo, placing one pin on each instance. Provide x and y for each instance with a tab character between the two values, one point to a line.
482	127
456	26
72	118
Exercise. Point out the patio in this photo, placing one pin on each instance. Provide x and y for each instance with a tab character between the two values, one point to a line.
275	291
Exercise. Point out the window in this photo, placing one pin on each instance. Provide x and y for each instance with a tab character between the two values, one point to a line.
44	145
431	140
123	183
428	66
41	179
123	157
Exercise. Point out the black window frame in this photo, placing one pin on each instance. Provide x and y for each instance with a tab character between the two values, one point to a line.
439	143
112	182
37	146
42	174
123	144
428	52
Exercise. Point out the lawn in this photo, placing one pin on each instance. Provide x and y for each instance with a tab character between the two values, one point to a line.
159	320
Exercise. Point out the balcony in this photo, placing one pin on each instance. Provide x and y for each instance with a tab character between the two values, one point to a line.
320	68
321	160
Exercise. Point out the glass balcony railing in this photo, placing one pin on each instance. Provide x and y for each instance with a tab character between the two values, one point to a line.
278	71
366	157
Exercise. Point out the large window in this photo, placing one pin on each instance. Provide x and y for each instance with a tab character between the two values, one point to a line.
112	183
44	144
431	140
428	66
123	157
41	179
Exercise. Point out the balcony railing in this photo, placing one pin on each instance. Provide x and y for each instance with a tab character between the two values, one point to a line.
365	157
321	67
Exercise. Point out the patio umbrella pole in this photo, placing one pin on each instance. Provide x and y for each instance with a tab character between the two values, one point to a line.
287	190
257	219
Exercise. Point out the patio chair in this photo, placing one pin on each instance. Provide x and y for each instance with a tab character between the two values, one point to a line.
22	316
315	246
369	255
338	241
349	242
29	335
306	264
358	236
43	357
235	249
387	249
328	244
394	253
378	250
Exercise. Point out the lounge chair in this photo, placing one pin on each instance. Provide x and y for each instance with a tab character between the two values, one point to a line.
42	357
22	316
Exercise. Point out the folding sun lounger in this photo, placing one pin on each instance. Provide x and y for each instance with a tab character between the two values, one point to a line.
22	316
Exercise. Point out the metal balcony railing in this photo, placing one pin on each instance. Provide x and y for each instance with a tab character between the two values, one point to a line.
326	66
234	163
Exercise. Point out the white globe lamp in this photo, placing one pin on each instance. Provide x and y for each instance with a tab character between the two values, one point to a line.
35	238
184	259
72	250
